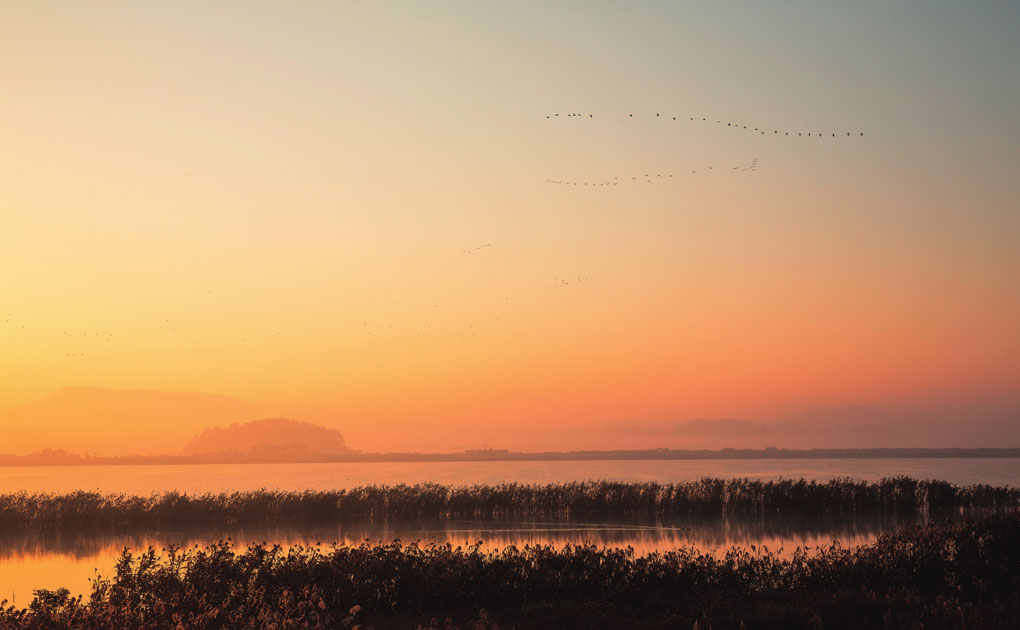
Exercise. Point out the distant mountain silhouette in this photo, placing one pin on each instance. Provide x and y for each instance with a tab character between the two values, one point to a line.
838	427
857	415
115	422
729	426
271	437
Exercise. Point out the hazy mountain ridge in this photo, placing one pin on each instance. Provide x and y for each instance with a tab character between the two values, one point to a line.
847	427
835	427
850	427
116	422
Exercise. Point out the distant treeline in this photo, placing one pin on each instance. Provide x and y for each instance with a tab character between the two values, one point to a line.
277	454
707	497
953	576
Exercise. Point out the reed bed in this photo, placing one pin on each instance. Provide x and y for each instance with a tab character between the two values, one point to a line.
704	498
965	575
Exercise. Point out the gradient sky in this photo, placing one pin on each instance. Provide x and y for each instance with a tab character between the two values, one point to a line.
269	201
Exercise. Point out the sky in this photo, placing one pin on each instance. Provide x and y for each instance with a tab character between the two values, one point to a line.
271	202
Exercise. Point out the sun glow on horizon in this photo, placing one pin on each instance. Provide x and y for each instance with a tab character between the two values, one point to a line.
343	214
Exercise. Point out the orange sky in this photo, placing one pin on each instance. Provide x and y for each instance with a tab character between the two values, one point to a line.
271	203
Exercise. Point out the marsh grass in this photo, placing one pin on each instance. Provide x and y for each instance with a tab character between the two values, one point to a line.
593	499
964	575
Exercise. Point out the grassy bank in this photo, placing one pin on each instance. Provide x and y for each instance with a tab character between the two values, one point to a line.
963	575
707	497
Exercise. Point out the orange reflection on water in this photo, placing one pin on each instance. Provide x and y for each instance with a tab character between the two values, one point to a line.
35	561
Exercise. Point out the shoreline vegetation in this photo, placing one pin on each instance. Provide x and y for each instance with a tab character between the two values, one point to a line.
81	511
60	457
964	575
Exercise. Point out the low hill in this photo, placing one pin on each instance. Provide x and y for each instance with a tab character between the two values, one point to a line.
270	437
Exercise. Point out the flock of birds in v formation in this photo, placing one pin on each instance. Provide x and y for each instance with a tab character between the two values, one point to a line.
650	178
557	281
732	125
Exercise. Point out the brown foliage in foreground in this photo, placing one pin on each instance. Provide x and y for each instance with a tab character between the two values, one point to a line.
953	576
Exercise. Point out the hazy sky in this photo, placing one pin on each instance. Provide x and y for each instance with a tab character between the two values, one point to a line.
270	201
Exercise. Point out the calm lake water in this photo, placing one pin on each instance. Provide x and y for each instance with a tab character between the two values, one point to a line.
144	480
28	562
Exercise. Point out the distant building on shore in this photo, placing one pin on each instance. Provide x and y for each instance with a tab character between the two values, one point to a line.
487	451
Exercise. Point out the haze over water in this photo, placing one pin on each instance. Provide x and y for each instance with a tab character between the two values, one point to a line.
215	478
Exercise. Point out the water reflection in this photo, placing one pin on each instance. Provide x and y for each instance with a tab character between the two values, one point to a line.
144	480
31	561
